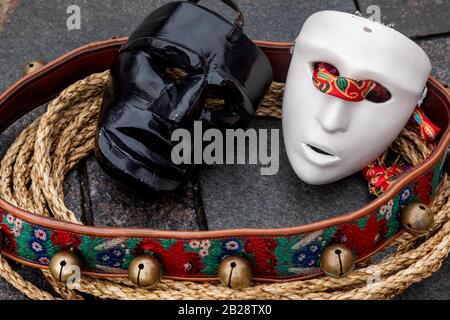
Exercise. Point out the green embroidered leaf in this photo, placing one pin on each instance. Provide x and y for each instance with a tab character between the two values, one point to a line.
328	234
323	75
393	219
211	261
132	243
87	246
284	252
128	256
363	222
51	250
167	243
22	243
342	84
437	170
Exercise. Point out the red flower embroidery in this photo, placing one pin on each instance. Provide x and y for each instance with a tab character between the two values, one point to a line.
10	242
362	241
423	187
65	239
176	261
149	245
263	252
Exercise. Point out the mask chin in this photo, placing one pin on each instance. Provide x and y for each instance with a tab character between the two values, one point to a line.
311	172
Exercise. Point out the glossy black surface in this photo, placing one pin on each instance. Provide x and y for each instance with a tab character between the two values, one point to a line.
143	105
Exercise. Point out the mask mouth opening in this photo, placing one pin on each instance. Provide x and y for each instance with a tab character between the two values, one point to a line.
318	150
319	156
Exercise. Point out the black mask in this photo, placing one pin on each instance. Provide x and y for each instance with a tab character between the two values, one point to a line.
143	104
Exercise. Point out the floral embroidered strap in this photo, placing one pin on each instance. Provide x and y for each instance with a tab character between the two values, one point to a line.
380	176
427	129
273	256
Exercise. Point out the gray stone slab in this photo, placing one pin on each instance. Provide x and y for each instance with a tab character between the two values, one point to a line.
73	193
238	196
439	52
279	20
113	206
8	136
413	17
8	292
38	29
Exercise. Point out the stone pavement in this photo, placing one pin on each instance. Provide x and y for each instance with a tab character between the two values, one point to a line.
37	29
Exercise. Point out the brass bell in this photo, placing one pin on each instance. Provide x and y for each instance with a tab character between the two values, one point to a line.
64	264
32	66
337	261
417	219
235	272
145	271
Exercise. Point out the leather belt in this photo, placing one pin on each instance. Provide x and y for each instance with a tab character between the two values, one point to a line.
275	254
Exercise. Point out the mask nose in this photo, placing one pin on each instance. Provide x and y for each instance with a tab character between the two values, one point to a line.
334	116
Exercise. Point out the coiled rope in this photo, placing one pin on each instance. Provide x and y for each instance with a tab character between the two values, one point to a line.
32	175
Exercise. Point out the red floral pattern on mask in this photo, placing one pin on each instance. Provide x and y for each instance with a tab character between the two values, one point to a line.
341	87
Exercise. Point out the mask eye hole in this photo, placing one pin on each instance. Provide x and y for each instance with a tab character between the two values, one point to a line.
215	98
174	73
378	94
223	97
327	67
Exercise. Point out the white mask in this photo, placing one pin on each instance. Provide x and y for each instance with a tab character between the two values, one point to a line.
349	134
